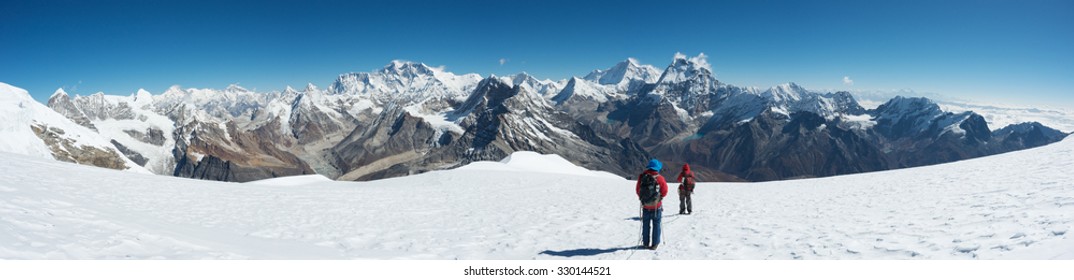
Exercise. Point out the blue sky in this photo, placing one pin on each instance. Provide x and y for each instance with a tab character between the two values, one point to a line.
1006	52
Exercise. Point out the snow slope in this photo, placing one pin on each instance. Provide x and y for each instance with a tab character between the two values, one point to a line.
299	180
19	113
1014	205
533	162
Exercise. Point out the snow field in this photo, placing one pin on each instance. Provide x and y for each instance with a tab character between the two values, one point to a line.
1016	205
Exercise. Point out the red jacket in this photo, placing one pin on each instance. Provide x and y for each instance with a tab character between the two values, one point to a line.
685	173
663	188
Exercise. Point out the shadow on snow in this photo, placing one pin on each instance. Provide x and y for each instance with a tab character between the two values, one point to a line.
596	251
586	251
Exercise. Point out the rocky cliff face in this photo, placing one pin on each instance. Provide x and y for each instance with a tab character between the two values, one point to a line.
153	136
1025	135
209	151
61	103
66	149
494	121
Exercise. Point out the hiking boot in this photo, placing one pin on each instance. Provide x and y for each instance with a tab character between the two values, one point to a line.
653	247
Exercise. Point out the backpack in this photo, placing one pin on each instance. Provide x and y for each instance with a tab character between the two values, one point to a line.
650	189
688	181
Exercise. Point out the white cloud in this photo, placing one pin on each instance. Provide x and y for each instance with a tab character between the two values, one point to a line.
503	61
848	81
700	60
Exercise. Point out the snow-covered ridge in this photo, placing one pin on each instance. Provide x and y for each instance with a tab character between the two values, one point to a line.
406	81
18	108
701	60
785	92
544	87
684	69
625	76
533	162
919	114
291	181
577	87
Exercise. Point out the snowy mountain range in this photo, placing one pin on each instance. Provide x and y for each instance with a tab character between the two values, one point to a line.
409	118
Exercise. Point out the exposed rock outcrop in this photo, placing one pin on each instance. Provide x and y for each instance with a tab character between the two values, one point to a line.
65	149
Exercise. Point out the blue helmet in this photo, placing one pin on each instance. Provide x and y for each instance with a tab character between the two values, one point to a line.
654	165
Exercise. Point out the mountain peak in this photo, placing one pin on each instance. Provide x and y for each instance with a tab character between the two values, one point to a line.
142	94
584	88
594	75
683	67
492	82
1027	127
143	97
406	82
173	90
907	107
690	69
488	89
624	73
699	61
59	93
522	78
408	68
310	87
909	102
788	88
630	62
10	92
492	78
679	56
236	88
289	90
786	92
572	84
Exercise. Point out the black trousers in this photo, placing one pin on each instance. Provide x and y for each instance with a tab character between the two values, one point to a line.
686	203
